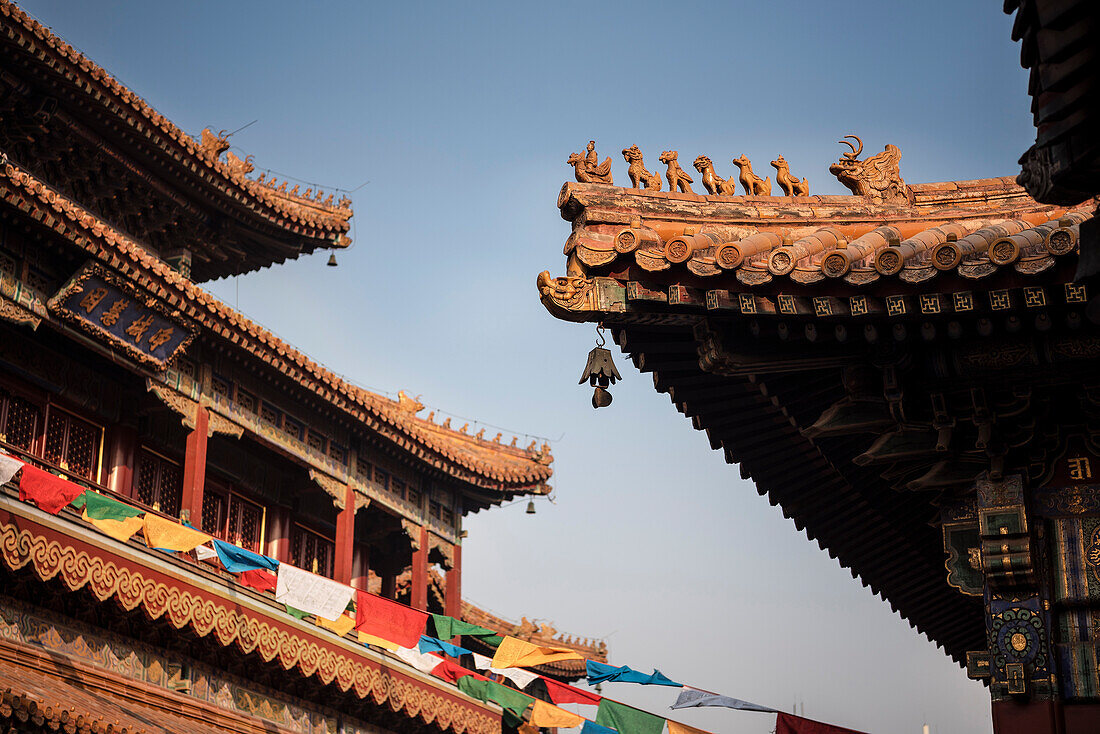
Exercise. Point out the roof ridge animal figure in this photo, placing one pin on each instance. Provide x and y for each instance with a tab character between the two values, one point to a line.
878	177
754	185
587	168
640	178
714	183
791	186
677	177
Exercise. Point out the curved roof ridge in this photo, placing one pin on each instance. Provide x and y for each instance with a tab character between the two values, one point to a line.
492	467
297	209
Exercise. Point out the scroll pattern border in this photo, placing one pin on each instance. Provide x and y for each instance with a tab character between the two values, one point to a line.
106	580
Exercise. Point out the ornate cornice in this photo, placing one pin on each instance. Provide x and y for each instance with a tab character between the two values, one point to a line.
107	580
13	312
187	409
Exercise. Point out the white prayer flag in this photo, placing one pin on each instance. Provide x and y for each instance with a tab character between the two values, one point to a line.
205	552
9	465
311	593
519	676
422	661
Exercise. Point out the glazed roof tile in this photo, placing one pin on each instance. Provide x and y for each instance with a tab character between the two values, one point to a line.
484	463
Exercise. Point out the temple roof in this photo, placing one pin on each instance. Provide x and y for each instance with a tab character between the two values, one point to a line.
841	349
75	125
501	468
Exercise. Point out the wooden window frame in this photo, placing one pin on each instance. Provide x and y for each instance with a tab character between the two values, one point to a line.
136	478
330	543
230	492
97	471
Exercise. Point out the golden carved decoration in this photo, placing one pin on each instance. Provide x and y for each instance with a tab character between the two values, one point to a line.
754	185
211	145
239	168
640	177
878	177
444	548
791	186
187	409
10	311
714	183
677	177
218	423
251	634
588	169
1018	642
412	530
338	490
411	405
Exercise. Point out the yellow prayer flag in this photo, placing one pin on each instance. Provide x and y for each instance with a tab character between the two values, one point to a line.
674	727
514	653
547	714
340	626
120	530
366	639
170	535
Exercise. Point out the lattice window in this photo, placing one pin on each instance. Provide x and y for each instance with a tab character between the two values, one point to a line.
269	414
220	387
19	422
364	470
448	517
435	510
312	551
186	367
412	495
247	401
293	428
231	517
159	483
73	444
382	478
316	441
337	453
398	487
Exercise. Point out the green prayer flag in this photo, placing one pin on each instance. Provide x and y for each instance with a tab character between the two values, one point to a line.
628	720
448	627
78	503
102	507
512	701
297	613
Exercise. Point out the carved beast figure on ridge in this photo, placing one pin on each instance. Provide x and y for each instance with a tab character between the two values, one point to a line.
791	186
878	177
587	168
714	183
754	185
677	177
640	178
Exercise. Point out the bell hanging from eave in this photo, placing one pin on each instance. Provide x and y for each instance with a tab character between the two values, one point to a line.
600	372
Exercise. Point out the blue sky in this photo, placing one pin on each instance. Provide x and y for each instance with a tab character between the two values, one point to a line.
461	117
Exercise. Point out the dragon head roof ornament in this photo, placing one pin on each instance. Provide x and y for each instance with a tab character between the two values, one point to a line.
877	178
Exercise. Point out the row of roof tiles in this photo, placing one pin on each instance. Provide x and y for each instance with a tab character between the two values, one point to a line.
140	115
489	464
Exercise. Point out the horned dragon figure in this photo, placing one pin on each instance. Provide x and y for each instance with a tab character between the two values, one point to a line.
878	177
714	183
677	177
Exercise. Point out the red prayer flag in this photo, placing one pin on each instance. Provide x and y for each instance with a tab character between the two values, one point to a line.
389	620
564	693
49	492
788	724
258	579
451	671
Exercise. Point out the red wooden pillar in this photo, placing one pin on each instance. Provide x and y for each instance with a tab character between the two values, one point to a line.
389	584
345	538
194	469
452	601
360	567
418	593
120	467
278	534
1029	717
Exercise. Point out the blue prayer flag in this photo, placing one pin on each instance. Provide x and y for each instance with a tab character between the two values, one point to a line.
591	727
431	644
601	673
237	559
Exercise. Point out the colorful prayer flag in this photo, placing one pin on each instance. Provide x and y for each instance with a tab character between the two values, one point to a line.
515	653
547	714
389	620
311	593
296	613
431	644
450	671
511	700
422	661
49	492
366	639
627	719
564	693
789	724
9	465
519	676
340	626
602	672
205	553
237	559
101	507
675	727
591	727
120	530
170	535
447	628
257	579
693	697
